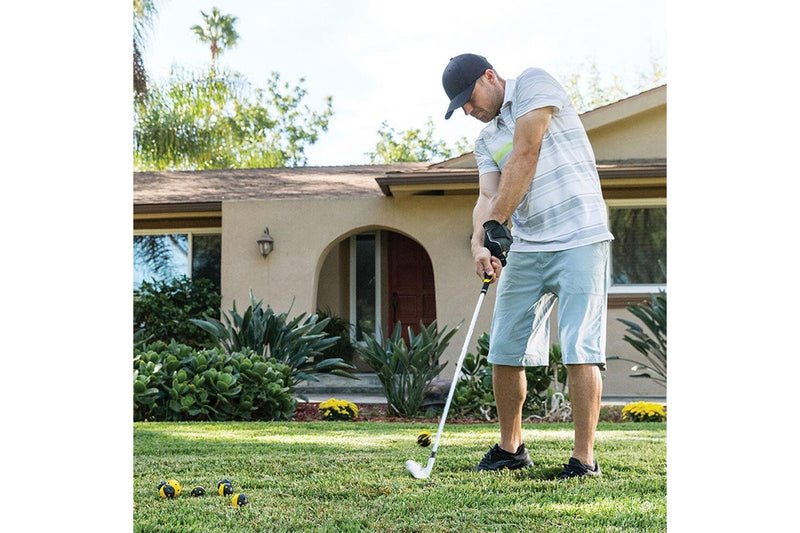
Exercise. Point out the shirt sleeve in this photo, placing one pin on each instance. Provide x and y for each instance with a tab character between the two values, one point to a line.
535	89
484	158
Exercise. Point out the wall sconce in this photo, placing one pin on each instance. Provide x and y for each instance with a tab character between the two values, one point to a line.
265	243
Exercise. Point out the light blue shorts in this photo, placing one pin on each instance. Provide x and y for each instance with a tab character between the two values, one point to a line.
529	286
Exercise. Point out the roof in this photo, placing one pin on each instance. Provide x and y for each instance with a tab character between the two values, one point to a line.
215	186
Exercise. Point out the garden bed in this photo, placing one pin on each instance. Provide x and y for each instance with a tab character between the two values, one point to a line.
309	412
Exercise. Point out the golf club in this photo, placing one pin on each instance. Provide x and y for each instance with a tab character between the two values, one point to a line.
414	467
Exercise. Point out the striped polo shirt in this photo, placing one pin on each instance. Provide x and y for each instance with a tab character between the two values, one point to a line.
564	205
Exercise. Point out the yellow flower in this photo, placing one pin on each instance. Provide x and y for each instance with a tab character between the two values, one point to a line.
334	409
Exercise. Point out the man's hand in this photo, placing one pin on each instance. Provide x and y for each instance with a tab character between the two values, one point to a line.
486	265
497	239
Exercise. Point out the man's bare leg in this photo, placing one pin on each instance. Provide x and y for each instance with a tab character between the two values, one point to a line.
510	388
585	391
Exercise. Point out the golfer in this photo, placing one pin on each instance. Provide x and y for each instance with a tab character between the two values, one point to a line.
537	169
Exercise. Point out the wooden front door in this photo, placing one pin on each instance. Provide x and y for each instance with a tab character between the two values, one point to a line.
411	291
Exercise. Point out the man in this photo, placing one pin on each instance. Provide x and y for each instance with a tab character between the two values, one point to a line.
537	169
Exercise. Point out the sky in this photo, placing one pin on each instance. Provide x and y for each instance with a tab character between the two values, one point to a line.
383	61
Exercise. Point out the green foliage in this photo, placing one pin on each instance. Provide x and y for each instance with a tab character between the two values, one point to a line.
474	395
406	370
587	88
340	328
218	120
412	145
218	31
162	310
173	382
297	343
650	342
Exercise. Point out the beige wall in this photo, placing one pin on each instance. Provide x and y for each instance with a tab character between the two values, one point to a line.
642	136
441	224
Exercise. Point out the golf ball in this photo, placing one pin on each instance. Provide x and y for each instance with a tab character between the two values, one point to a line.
239	499
424	438
198	491
169	489
225	487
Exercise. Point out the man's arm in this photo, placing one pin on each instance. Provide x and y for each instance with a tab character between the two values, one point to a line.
484	263
520	168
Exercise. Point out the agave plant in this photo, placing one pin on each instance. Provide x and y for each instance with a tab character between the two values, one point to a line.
297	343
652	342
406	370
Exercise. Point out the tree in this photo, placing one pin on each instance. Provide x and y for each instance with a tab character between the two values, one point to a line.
412	145
205	120
144	12
218	31
587	90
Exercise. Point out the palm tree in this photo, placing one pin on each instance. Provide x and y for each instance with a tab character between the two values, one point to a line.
218	31
144	12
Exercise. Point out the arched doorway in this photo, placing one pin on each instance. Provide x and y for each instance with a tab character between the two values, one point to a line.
375	278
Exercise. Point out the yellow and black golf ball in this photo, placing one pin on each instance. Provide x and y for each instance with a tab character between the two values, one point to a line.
198	491
169	489
225	487
424	438
239	499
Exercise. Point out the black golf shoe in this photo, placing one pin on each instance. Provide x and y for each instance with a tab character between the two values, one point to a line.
497	459
575	468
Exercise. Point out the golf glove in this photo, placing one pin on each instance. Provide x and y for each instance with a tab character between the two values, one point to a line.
497	239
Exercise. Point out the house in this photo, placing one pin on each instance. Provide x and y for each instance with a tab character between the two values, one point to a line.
380	244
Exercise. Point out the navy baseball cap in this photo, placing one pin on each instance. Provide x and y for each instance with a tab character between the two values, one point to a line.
459	79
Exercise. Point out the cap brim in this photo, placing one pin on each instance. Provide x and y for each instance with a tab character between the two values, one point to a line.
460	99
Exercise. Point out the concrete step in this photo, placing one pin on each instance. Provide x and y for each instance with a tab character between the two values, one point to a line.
367	384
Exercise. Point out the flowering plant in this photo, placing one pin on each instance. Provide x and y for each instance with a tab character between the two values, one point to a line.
644	412
334	409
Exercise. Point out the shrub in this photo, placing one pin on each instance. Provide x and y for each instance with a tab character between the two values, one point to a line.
340	329
406	370
651	343
334	409
162	310
174	382
644	412
296	343
474	395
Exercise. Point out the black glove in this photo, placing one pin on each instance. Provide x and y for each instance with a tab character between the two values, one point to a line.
497	239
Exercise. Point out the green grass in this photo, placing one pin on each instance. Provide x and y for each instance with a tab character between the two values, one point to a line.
350	476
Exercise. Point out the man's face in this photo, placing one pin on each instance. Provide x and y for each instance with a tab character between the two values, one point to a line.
486	99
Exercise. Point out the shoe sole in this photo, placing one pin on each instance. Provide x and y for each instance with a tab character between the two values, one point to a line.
503	465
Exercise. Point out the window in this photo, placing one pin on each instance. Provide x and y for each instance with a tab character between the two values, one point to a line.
639	248
365	275
167	256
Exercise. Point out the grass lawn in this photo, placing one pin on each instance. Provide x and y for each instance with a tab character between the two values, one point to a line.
350	476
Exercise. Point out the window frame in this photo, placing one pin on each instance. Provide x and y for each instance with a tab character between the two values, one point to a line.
190	233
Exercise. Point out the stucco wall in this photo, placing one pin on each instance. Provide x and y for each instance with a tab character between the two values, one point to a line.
290	275
441	224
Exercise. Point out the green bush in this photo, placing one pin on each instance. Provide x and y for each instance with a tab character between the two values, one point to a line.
297	343
173	382
474	394
162	310
406	370
652	343
339	328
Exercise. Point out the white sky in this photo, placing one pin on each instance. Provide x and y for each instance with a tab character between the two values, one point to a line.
384	60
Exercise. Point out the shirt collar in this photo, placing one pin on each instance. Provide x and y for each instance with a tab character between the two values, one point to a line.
509	93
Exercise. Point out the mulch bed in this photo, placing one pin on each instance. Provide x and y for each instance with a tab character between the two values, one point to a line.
309	412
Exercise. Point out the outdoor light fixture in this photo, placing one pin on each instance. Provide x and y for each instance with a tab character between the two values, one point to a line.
265	243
